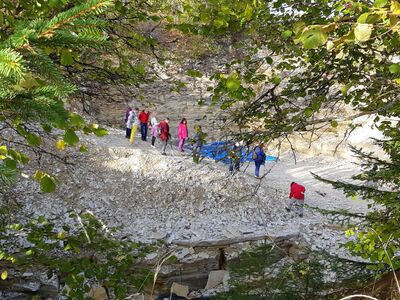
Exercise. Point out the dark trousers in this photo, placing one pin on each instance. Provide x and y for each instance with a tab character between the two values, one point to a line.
128	132
234	164
153	140
165	145
258	165
143	131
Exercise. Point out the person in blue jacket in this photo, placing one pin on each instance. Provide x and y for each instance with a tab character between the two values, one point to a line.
259	158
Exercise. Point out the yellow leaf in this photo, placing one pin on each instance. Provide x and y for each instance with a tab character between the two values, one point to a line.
329	27
60	145
395	7
3	149
363	32
4	275
38	175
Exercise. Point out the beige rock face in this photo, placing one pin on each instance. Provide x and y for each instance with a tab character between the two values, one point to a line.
98	293
180	290
215	278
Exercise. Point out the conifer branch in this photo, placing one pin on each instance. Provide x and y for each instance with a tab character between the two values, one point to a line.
66	17
10	63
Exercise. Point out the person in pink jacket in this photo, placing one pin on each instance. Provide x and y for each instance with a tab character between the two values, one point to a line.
182	134
154	131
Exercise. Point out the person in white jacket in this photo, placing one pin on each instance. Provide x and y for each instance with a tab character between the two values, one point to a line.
132	124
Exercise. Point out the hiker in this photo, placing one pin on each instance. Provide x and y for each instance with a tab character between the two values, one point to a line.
235	156
296	196
132	123
197	140
154	130
128	130
164	134
144	120
128	110
182	134
259	159
248	146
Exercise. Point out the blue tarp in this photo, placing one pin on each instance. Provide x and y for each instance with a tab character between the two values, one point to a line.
219	152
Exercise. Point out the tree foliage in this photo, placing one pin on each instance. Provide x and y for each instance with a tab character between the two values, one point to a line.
81	254
305	66
35	40
295	66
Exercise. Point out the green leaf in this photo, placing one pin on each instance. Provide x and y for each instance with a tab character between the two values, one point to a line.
269	60
4	275
14	154
380	3
24	158
77	121
61	235
276	80
308	112
66	58
47	128
140	69
368	18
248	13
70	137
33	139
194	73
298	27
394	68
10	163
47	184
363	32
313	37
220	23
100	132
287	34
233	82
83	149
334	124
344	89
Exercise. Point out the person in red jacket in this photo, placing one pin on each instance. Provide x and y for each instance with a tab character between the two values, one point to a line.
144	120
296	197
164	134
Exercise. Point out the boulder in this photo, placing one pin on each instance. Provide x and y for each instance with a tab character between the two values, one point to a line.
180	290
98	293
215	278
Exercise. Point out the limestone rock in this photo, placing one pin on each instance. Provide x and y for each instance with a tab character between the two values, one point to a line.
137	296
180	290
215	278
98	293
151	256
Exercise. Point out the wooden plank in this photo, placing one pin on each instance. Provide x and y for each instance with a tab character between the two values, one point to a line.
236	240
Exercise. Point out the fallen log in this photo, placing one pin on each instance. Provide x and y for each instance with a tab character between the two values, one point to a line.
235	240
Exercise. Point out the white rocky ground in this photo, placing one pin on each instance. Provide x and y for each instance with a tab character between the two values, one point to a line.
170	197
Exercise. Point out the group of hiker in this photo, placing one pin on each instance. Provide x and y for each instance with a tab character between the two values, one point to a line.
236	155
161	130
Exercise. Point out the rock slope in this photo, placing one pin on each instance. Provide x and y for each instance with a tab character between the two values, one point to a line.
155	197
